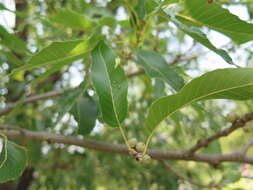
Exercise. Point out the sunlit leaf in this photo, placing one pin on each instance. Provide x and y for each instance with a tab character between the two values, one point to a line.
60	52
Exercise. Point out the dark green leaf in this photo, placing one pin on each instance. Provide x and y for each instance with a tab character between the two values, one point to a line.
85	113
200	37
110	84
157	67
67	100
215	17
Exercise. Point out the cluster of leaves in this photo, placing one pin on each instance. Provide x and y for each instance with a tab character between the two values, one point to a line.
109	50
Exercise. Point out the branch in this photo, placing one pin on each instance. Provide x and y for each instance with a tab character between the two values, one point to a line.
185	178
20	133
31	99
246	147
239	123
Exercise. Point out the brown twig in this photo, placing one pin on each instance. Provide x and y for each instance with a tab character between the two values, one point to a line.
48	95
235	125
185	178
122	149
246	147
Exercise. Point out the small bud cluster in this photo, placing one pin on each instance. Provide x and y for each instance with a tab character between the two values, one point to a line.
137	149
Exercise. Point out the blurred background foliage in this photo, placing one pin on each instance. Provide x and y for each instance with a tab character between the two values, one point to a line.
30	25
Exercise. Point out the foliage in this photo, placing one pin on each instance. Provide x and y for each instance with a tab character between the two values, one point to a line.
108	71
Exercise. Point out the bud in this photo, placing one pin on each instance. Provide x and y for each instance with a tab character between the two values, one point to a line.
231	117
140	146
146	157
132	142
132	152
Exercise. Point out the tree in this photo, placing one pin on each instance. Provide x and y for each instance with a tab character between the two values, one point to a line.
113	94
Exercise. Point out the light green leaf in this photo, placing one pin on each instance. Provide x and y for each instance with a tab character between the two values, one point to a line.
217	18
73	20
156	66
236	84
85	113
200	37
110	84
60	52
67	100
15	163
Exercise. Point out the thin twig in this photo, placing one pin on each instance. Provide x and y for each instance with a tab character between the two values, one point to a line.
185	178
246	147
235	125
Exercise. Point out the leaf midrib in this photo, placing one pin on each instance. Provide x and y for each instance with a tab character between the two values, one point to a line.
110	82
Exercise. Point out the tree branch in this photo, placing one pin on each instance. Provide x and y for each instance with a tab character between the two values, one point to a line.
31	99
185	178
239	123
119	148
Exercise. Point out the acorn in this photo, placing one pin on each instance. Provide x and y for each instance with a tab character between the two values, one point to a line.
231	117
132	142
140	146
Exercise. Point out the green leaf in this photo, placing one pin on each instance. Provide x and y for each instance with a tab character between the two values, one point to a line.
15	163
85	113
200	37
60	52
110	84
217	18
12	41
157	67
67	101
140	9
236	84
3	153
159	88
72	19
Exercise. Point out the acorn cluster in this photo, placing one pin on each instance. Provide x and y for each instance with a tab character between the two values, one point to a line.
136	150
